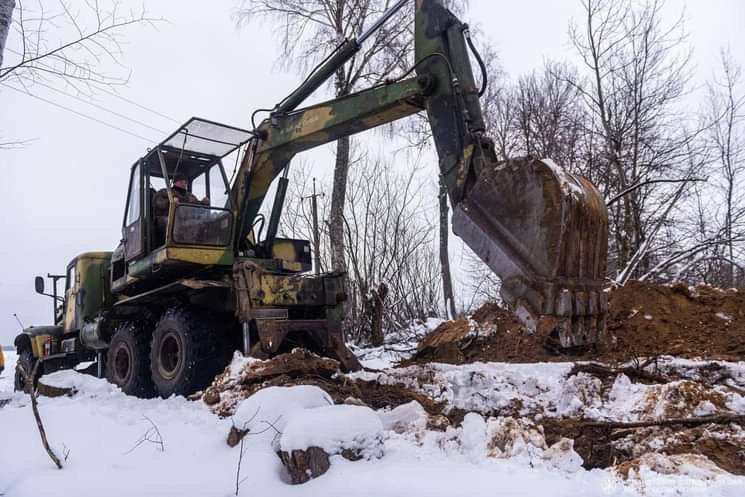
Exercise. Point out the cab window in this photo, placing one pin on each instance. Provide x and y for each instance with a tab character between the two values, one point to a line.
70	280
199	186
133	207
218	188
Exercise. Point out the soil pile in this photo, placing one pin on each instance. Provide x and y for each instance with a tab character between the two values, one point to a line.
675	320
644	320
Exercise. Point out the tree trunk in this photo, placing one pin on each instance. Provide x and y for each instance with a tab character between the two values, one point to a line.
341	168
447	280
338	194
378	303
6	17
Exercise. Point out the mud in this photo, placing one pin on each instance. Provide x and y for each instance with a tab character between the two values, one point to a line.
644	320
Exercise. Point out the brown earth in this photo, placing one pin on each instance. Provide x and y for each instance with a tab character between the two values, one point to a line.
644	320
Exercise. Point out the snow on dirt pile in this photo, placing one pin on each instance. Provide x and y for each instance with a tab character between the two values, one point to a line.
242	378
612	414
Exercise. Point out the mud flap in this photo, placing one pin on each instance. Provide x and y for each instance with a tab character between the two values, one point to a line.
321	336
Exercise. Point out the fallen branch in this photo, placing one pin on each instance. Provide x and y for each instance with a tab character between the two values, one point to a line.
689	422
33	392
630	371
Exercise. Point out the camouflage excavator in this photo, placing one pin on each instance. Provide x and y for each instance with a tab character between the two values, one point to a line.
184	288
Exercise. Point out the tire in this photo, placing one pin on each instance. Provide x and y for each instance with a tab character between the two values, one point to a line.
185	354
27	361
128	361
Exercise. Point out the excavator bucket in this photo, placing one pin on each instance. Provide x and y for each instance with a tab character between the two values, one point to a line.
543	231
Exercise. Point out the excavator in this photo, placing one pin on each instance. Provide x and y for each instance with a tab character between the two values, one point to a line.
184	289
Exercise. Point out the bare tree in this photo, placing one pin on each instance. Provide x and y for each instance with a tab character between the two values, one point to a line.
389	244
62	43
65	42
637	71
393	270
727	111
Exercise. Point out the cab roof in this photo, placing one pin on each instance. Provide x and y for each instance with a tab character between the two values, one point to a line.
195	146
208	138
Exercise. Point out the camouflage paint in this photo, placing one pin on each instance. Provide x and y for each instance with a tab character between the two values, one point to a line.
290	134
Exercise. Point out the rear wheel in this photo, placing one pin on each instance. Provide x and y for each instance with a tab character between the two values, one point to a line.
128	361
185	354
27	362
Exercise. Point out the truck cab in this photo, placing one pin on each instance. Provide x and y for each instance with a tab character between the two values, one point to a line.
158	244
75	307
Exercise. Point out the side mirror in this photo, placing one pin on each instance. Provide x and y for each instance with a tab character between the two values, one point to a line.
39	284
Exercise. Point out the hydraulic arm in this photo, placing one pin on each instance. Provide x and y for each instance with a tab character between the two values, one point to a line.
542	230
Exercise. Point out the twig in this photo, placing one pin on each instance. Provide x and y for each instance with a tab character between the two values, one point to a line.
246	431
29	379
238	469
152	435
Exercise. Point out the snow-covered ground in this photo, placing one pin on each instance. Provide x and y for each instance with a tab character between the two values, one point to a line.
99	429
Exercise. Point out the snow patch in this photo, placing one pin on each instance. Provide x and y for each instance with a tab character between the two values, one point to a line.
79	383
268	410
334	428
409	417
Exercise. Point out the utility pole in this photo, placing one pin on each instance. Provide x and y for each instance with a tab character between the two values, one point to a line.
316	233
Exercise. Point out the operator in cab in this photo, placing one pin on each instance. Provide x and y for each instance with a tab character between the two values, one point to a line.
181	195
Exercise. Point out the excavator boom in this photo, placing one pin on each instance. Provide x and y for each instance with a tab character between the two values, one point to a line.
541	229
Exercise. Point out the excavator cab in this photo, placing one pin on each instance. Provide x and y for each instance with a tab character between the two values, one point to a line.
166	233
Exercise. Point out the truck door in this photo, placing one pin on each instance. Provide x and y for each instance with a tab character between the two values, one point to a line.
132	231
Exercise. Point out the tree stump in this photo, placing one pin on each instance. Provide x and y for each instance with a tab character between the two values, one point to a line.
303	465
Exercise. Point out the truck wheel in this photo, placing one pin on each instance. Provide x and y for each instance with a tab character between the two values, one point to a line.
27	361
185	354
128	361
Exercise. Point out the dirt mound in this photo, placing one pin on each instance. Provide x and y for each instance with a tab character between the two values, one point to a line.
301	367
675	320
644	320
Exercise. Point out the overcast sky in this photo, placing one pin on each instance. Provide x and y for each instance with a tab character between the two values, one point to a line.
64	192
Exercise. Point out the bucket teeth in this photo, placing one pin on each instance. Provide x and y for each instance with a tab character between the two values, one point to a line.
545	233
